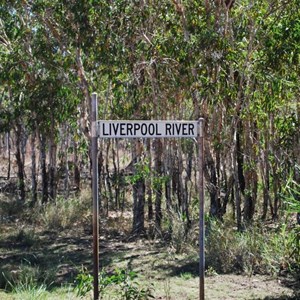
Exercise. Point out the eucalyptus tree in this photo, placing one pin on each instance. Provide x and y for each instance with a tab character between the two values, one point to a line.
280	117
235	63
230	78
38	90
14	81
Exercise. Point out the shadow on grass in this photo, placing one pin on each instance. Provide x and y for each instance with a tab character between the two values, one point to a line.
53	258
180	267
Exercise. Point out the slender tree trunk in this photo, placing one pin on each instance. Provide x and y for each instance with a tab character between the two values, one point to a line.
265	173
52	162
101	174
44	169
274	168
250	178
20	162
158	185
211	177
228	186
149	181
236	184
108	177
9	156
33	169
138	226
66	162
240	158
138	206
168	172
174	177
116	177
77	177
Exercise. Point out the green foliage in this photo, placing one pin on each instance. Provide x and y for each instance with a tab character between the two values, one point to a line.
186	275
256	250
291	193
291	198
182	237
83	283
123	284
142	171
127	284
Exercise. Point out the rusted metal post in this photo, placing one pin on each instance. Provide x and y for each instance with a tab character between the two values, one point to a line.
94	157
201	209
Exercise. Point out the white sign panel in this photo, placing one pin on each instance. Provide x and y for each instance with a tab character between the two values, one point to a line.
146	129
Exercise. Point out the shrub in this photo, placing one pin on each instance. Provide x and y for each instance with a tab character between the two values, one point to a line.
64	213
256	250
183	235
122	282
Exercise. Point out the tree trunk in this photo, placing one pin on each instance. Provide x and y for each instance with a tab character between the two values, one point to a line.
66	162
109	192
158	185
20	162
77	177
250	175
236	183
44	169
52	162
33	169
211	177
148	181
138	226
265	175
168	170
116	176
182	185
240	159
9	156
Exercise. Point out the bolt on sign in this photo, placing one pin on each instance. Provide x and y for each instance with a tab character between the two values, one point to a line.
143	129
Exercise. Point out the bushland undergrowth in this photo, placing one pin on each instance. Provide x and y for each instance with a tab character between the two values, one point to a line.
271	249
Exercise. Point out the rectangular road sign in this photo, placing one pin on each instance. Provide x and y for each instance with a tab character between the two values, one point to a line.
146	129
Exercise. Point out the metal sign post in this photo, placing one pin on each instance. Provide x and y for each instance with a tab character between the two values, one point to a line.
201	210
94	157
144	129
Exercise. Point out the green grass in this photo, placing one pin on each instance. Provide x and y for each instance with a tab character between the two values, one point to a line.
39	293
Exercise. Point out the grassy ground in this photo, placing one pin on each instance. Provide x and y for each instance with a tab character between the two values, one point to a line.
42	264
